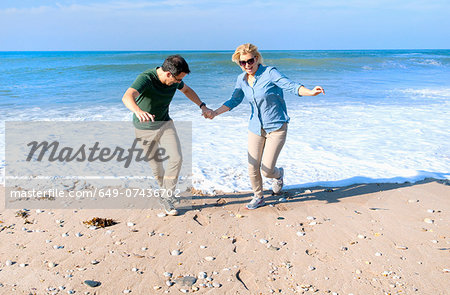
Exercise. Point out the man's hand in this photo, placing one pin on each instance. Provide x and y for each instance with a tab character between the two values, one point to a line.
212	115
144	116
208	113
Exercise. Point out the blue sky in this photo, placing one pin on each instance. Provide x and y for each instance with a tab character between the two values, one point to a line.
222	25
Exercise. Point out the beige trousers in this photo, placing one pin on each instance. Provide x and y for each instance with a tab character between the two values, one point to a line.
165	138
263	152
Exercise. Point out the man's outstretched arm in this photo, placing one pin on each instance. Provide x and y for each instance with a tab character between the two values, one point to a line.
190	93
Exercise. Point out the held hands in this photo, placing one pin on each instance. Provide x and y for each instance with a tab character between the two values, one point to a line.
207	113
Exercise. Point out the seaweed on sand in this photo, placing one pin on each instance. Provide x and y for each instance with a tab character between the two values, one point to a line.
100	222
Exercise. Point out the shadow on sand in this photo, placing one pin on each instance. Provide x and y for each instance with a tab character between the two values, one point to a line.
329	194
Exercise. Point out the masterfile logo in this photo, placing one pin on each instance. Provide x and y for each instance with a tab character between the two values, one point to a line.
89	165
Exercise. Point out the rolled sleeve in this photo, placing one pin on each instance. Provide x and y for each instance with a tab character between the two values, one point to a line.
236	97
283	82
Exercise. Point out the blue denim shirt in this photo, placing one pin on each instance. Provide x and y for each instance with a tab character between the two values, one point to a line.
265	98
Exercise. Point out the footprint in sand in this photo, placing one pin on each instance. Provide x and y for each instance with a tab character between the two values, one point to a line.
281	207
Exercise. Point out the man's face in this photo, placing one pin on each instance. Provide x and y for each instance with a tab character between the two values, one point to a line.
175	79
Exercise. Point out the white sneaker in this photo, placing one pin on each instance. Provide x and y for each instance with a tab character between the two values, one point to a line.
168	206
255	203
277	184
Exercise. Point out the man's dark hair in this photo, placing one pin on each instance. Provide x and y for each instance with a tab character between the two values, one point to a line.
175	64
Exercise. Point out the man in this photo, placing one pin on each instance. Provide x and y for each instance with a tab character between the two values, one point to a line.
149	98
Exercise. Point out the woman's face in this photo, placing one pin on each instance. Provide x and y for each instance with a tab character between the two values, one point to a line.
248	63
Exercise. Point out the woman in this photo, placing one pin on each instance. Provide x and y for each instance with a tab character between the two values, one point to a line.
263	87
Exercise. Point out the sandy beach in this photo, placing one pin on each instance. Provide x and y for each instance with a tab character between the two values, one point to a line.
359	239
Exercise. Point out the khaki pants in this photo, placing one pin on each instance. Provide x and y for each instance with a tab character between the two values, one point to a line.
165	137
263	151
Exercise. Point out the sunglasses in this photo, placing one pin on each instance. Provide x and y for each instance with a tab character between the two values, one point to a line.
245	62
178	80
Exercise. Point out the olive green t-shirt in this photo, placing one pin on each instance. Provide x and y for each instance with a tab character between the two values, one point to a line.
154	98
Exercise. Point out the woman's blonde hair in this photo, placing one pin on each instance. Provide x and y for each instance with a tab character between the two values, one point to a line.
244	49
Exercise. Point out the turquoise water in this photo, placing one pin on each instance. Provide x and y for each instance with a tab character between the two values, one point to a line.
385	115
70	79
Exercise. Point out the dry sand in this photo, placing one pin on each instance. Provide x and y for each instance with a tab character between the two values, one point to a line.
360	239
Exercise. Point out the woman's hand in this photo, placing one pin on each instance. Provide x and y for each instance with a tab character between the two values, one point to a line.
303	91
210	115
317	90
207	113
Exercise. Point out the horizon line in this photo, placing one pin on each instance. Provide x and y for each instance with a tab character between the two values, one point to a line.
220	50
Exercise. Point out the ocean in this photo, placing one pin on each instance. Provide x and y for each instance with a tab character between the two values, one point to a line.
384	118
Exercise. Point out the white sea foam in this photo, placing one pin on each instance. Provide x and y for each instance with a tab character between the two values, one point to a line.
426	92
431	62
331	145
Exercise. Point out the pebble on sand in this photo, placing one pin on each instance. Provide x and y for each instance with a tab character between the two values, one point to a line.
91	283
202	275
401	247
186	281
51	264
209	258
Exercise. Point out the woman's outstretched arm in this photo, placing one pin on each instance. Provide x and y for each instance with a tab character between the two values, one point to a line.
303	91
